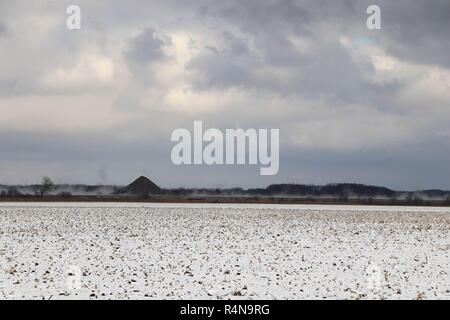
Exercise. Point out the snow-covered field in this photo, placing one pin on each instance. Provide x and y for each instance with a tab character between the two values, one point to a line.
168	251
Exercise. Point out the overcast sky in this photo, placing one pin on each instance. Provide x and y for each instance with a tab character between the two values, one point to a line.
98	105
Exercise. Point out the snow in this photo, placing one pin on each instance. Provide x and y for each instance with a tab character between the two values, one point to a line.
218	251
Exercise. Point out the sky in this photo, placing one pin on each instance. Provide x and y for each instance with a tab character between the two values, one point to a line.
98	105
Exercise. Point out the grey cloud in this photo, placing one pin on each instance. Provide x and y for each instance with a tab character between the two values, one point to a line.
419	31
257	17
326	71
416	31
25	63
146	47
224	68
334	75
3	29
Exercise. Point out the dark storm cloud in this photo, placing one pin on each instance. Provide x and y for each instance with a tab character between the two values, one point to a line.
333	74
258	17
326	70
414	31
3	29
223	68
143	50
146	47
418	31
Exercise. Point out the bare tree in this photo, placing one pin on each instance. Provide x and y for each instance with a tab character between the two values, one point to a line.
46	186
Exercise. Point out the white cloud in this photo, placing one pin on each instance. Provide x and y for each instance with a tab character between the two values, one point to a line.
90	71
